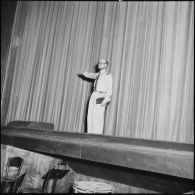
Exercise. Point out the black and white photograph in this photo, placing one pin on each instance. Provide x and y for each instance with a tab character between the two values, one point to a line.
97	97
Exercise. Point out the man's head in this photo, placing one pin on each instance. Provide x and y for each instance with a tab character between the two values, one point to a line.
102	64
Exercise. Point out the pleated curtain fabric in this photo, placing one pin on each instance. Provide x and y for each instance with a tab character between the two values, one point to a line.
150	49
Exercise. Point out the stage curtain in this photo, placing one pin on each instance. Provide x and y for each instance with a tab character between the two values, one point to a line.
150	49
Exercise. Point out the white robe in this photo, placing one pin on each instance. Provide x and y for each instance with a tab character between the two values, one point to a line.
96	112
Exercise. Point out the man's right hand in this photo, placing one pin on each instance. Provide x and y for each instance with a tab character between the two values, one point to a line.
82	72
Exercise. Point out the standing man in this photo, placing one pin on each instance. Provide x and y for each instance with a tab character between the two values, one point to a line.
100	97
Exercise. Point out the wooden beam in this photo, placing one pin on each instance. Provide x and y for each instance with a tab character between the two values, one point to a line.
159	157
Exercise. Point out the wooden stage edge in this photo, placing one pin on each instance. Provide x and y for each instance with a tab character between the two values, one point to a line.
154	165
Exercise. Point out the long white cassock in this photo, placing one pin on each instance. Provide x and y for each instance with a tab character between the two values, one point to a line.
96	112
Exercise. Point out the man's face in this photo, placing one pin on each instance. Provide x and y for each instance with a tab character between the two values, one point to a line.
102	65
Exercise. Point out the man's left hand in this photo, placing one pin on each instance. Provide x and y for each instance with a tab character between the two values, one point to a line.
103	103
